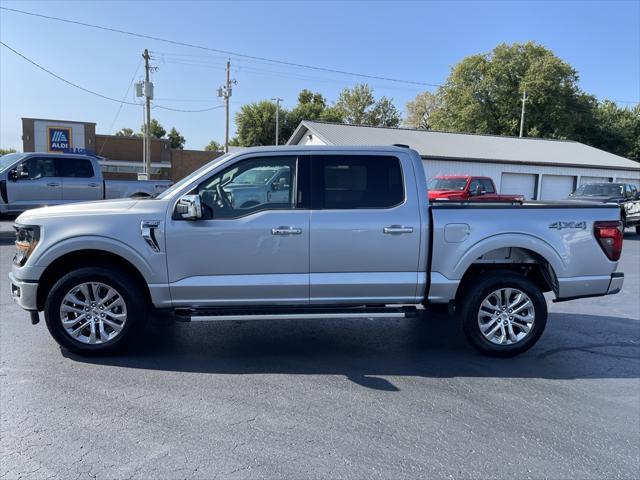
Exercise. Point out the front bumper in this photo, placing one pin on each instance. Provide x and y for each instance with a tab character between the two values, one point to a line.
24	293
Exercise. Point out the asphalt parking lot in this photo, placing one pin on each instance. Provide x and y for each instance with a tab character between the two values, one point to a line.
315	399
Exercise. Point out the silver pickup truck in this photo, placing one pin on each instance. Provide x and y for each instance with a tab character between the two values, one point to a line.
352	235
31	180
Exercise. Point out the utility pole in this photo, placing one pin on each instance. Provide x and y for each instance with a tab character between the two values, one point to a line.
524	99
148	93
277	100
225	92
145	89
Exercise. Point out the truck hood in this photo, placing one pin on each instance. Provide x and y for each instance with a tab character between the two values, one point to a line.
444	193
99	207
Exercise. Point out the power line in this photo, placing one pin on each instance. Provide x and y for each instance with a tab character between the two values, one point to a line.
64	79
187	111
121	102
113	122
225	52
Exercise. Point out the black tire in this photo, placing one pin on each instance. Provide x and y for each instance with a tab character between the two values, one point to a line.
133	297
637	229
477	292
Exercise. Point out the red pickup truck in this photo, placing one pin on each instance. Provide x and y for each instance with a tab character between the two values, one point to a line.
464	187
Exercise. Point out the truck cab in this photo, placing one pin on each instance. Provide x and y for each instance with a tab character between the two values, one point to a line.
35	179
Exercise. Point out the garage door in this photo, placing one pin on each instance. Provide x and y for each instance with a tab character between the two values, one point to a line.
594	180
518	184
556	187
632	181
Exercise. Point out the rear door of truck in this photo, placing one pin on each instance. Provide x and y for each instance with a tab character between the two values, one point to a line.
80	180
365	229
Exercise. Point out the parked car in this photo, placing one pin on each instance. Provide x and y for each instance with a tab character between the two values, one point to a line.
464	187
625	195
350	237
31	180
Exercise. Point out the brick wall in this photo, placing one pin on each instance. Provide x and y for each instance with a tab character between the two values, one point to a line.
183	162
130	148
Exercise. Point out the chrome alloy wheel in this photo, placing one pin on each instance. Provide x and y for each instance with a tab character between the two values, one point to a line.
506	316
93	313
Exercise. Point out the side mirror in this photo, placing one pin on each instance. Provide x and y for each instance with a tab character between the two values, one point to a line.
18	173
188	207
478	191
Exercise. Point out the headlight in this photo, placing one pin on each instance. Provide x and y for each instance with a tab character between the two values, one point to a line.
26	241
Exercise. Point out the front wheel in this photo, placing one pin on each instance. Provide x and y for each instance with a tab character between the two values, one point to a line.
94	311
503	314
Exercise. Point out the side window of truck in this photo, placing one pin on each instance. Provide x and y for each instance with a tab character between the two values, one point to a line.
40	167
355	181
74	167
487	185
249	186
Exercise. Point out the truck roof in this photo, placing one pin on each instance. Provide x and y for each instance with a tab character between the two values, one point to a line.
461	176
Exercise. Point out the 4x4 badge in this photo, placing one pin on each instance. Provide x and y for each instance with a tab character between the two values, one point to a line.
564	225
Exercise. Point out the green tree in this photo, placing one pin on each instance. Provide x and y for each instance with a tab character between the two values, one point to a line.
177	140
618	129
5	151
359	106
256	124
157	130
483	95
214	146
420	109
312	106
127	132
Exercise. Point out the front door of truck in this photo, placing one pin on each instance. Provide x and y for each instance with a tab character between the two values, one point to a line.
365	230
40	185
256	254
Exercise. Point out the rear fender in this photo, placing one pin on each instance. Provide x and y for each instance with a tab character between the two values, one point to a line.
510	240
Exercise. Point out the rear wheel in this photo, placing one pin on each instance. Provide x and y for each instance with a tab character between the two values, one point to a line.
503	314
95	311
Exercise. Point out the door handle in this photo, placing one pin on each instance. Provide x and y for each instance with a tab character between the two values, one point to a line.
53	184
397	229
94	184
286	231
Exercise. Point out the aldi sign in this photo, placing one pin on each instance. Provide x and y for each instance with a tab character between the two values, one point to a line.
59	139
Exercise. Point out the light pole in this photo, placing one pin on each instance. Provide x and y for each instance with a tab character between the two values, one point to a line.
277	100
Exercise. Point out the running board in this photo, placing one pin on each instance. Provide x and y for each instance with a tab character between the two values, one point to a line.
291	314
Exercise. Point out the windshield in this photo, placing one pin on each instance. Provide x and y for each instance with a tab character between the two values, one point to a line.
186	180
447	184
599	190
255	176
9	159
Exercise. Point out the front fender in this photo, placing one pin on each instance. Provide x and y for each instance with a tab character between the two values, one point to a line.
95	242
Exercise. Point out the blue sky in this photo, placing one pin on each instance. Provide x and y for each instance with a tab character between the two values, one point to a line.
409	40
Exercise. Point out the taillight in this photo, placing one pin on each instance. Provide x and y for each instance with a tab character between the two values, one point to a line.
609	236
